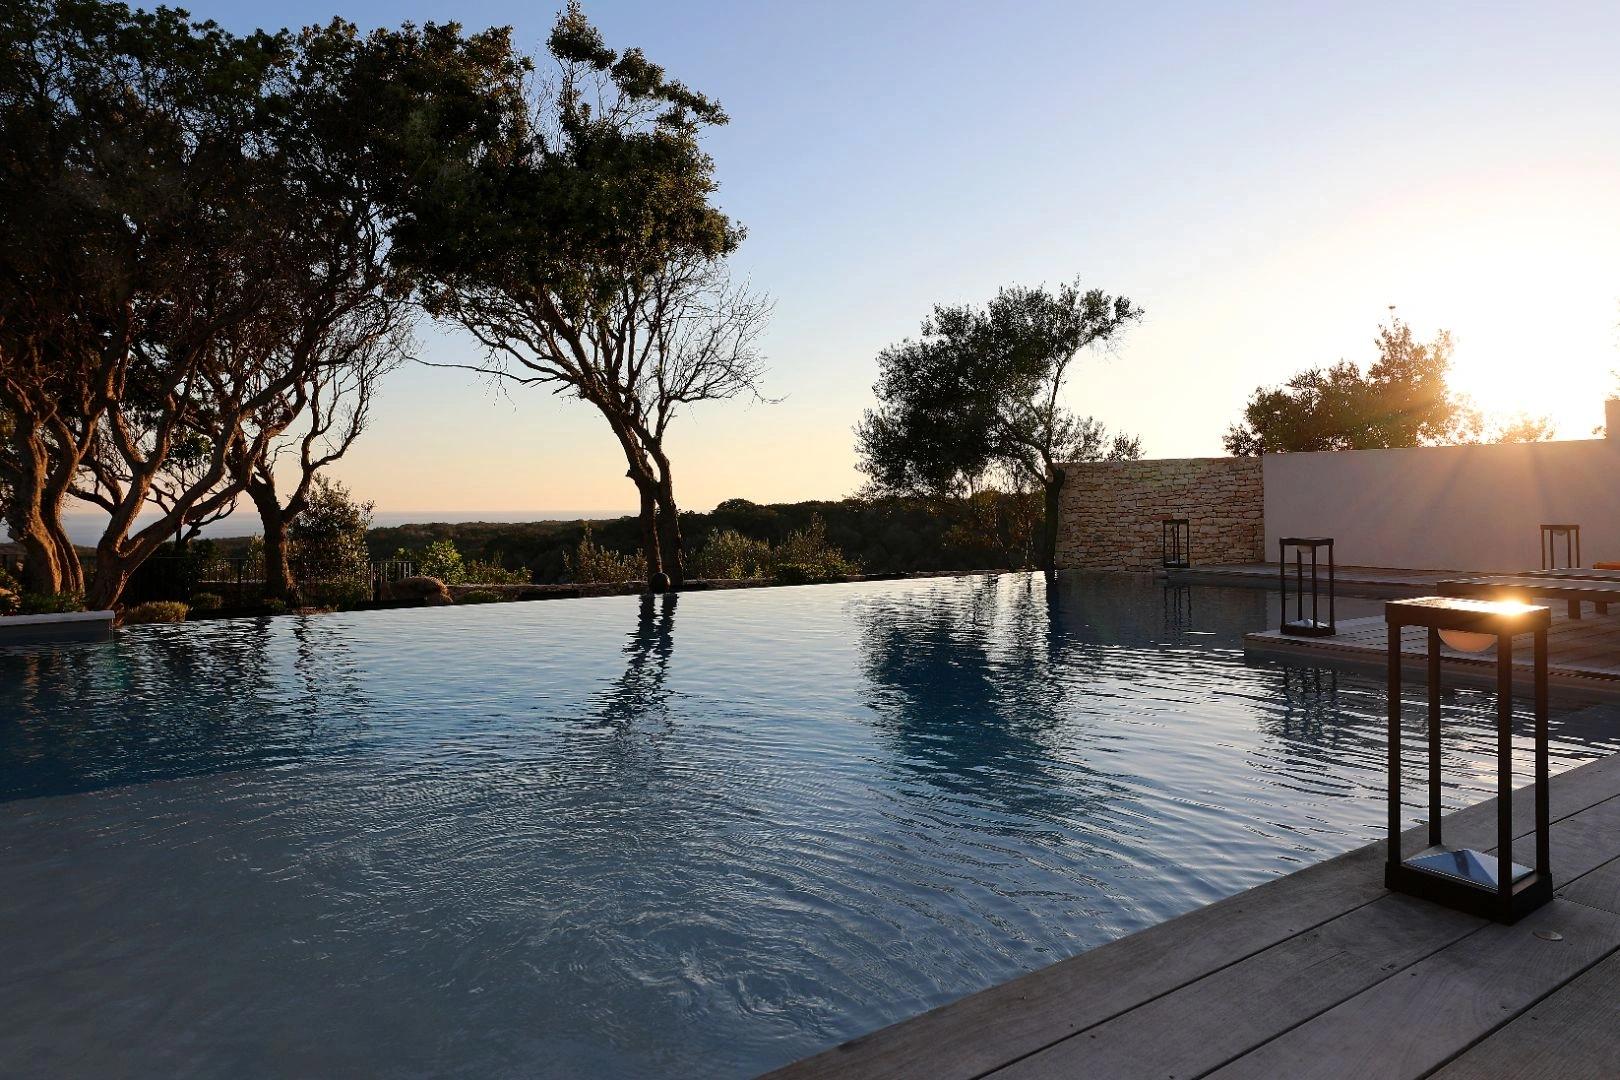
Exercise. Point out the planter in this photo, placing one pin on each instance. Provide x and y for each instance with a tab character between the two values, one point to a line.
67	626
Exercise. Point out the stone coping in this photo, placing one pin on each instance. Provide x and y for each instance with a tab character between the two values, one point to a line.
56	617
60	627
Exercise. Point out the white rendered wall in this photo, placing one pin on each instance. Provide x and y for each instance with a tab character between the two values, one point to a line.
1447	507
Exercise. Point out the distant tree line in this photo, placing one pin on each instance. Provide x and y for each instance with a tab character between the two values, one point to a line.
991	530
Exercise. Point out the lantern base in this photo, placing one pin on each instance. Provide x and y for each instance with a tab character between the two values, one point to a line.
1469	880
1465	865
1308	628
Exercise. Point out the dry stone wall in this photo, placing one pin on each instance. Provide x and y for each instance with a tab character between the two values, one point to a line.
1111	511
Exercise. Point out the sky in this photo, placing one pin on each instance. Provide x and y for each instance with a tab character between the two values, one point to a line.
1266	182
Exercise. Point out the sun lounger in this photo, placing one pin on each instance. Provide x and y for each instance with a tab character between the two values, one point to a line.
1540	584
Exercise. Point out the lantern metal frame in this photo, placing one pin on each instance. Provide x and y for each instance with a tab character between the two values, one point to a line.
1572	546
1175	543
1300	626
1463	878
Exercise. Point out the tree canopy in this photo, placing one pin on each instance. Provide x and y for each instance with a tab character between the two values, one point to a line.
579	244
977	398
1402	399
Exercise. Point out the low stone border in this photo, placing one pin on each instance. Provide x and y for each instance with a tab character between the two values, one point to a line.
62	626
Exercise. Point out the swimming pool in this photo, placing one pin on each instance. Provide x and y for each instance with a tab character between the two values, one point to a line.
694	835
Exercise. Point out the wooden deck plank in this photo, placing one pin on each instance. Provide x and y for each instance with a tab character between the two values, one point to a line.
1599	889
976	1034
1417	1021
1206	1024
1572	1035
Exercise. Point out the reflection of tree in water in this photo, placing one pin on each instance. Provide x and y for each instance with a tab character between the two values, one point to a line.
334	695
160	703
961	680
638	700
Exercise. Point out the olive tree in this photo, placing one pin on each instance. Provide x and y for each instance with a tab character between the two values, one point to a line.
977	398
596	268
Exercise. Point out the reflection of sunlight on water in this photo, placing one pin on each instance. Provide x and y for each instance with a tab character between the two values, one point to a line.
709	833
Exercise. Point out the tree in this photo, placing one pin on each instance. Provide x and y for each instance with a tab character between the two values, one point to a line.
1525	428
196	253
127	219
1403	399
329	542
978	398
159	271
596	268
334	399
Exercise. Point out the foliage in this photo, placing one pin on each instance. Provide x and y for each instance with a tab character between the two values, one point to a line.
581	247
207	601
9	602
275	607
480	596
810	551
58	603
155	611
329	543
1403	399
978	398
591	564
441	560
1524	428
728	554
993	530
478	572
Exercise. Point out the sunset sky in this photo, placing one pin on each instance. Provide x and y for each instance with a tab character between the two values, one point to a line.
1265	182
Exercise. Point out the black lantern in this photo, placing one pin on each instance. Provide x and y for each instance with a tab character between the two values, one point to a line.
1175	543
1462	878
1572	547
1299	625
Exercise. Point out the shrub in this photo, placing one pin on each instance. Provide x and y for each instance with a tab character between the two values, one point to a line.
478	572
9	602
795	574
441	560
727	553
591	564
50	603
207	601
275	607
155	611
480	596
328	539
808	551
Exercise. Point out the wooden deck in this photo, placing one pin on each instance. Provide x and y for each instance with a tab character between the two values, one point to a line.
1582	653
1322	973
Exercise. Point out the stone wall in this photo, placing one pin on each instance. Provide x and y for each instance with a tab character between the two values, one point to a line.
1111	511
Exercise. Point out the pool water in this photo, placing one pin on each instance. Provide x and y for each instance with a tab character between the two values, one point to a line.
682	836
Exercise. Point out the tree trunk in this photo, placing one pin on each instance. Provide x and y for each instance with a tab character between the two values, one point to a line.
1049	527
51	563
278	576
112	575
649	529
670	541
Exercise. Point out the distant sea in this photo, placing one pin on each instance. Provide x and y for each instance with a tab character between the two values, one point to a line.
86	528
